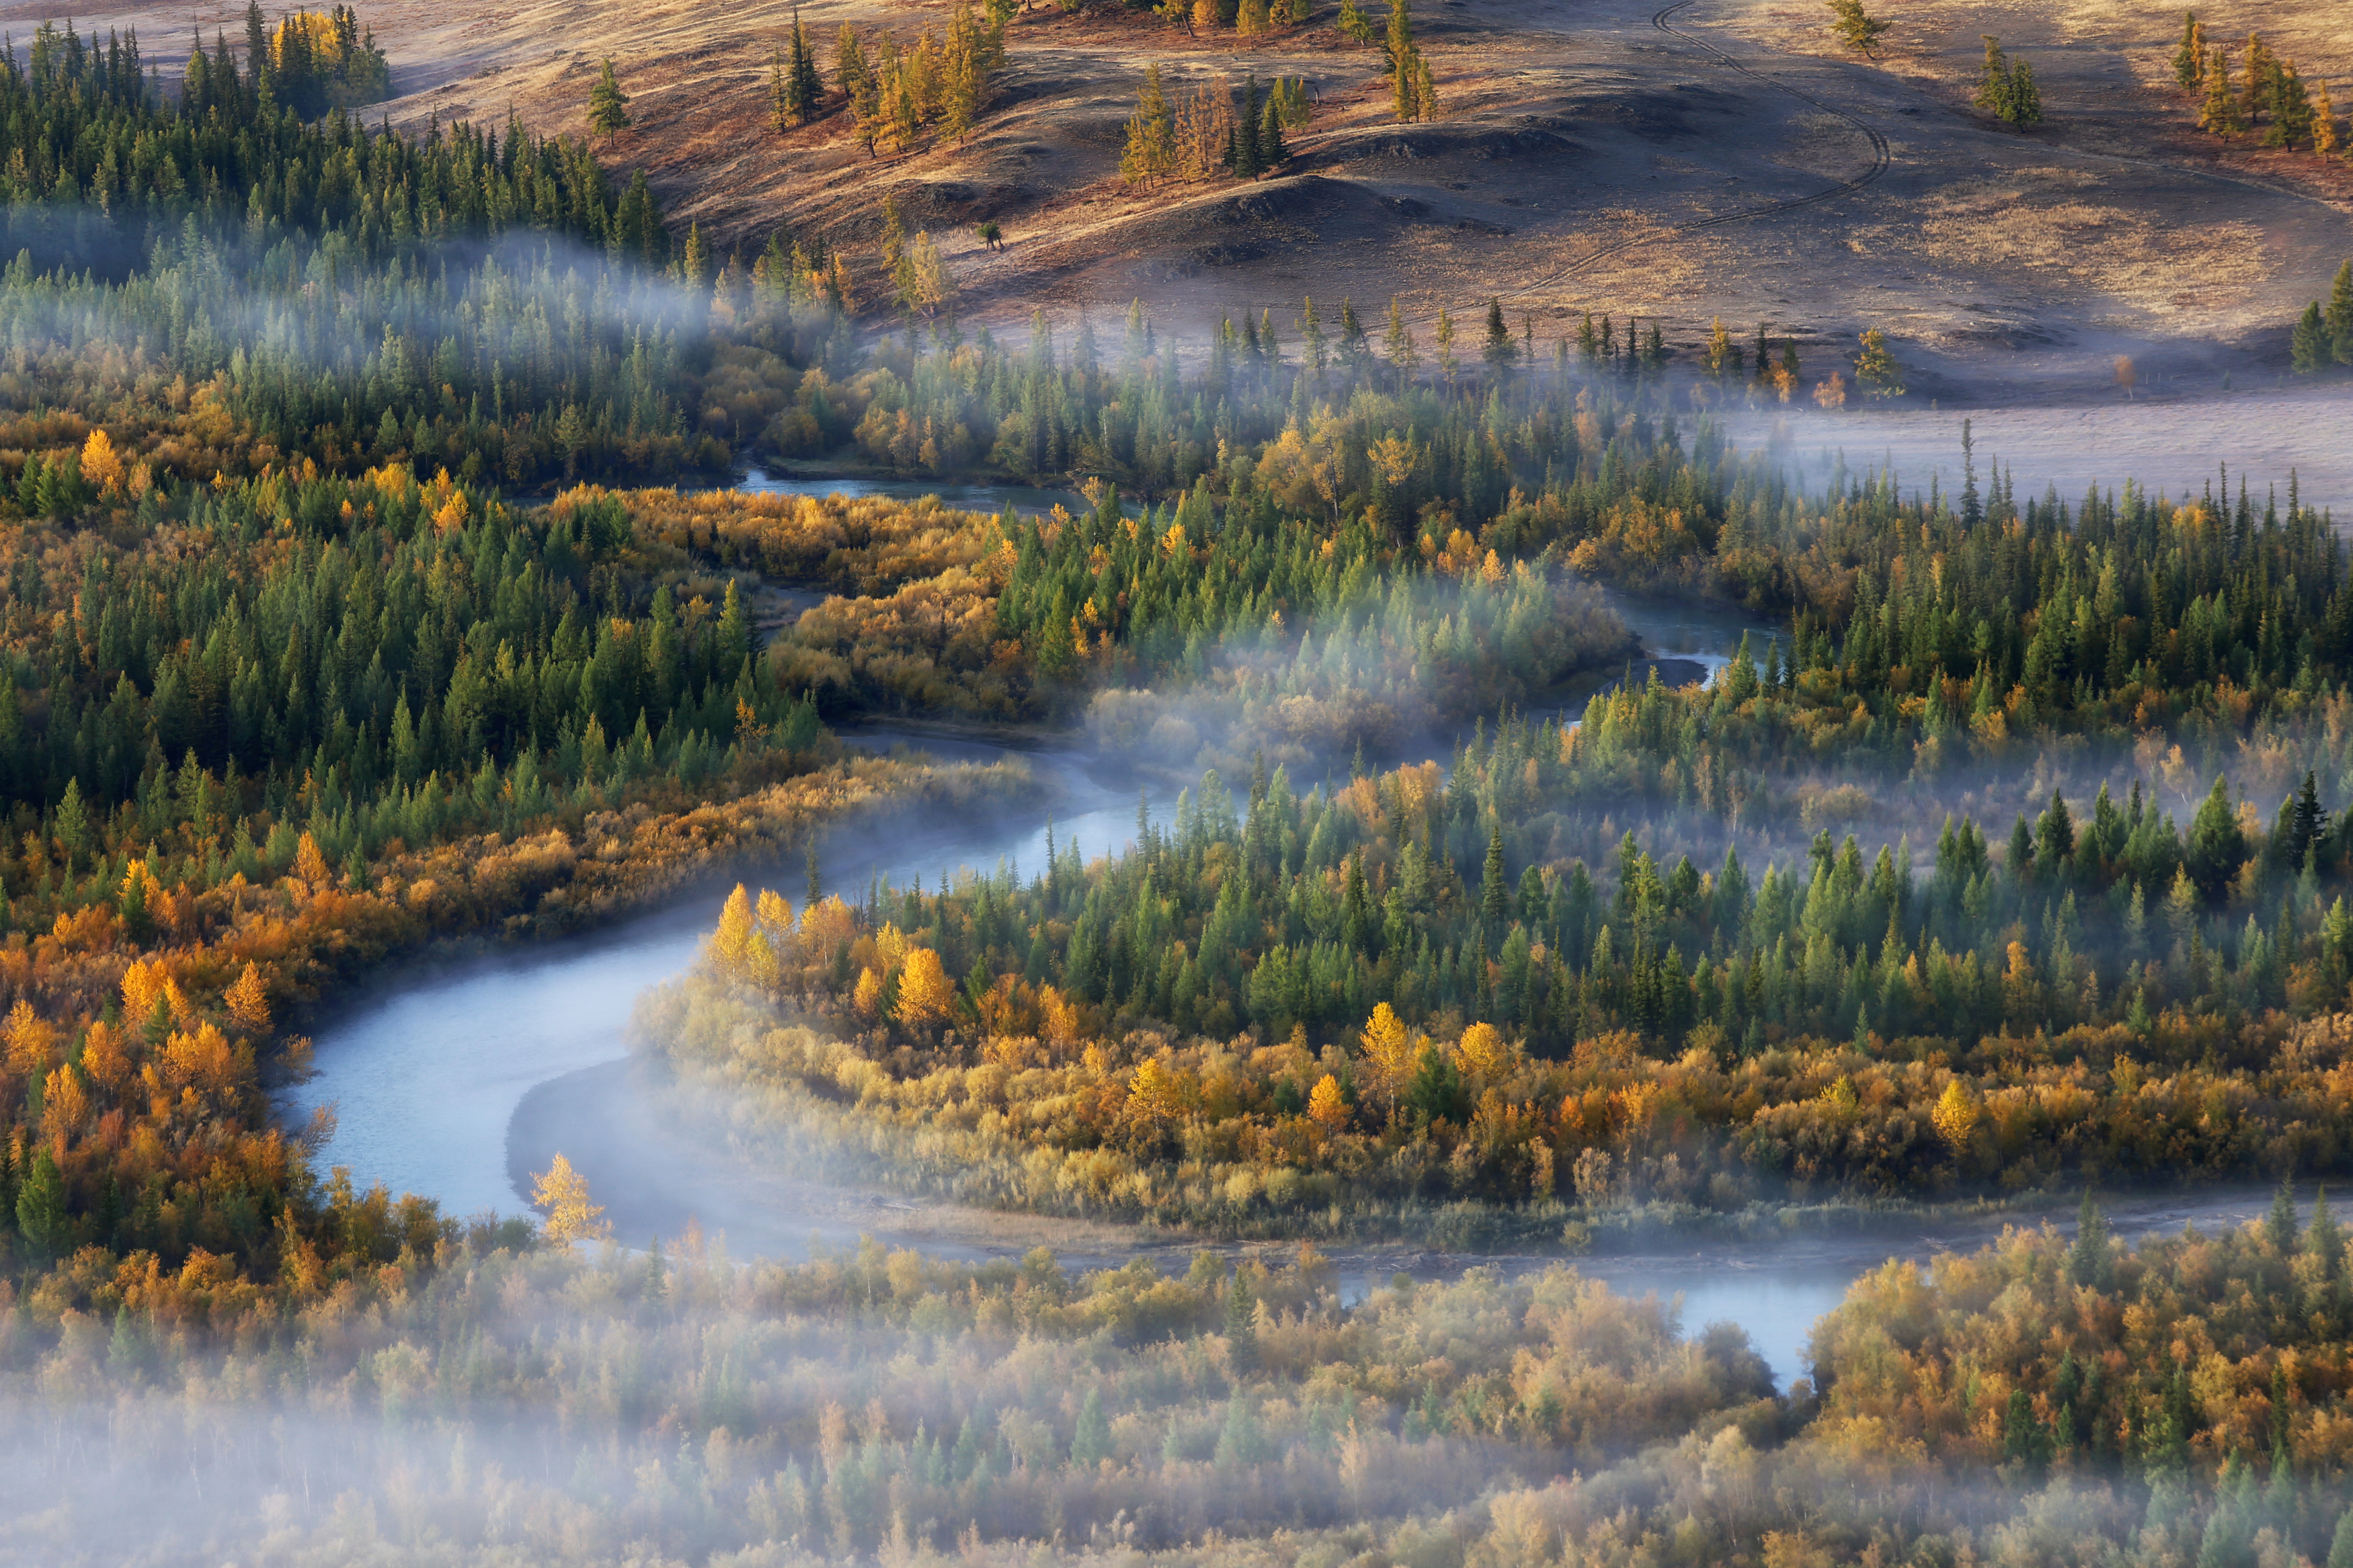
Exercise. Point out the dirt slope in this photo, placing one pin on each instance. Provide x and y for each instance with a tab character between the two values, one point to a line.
1596	155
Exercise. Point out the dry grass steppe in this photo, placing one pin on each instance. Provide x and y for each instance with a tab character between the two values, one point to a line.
1589	156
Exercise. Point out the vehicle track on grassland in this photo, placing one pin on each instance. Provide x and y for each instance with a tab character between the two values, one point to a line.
1882	158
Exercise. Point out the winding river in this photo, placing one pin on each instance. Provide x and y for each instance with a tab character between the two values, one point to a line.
455	1080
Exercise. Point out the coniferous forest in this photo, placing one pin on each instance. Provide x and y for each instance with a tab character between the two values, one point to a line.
377	598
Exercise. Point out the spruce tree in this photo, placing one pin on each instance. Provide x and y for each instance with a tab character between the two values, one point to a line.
1993	94
1498	351
1403	60
1241	1324
2217	843
2087	1258
2218	112
1246	161
1856	30
2309	347
2339	316
42	1217
608	113
1492	890
2279	1225
2025	102
256	45
1273	151
2191	55
779	115
804	88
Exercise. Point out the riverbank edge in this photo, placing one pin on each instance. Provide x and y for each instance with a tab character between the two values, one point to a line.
702	880
782	1129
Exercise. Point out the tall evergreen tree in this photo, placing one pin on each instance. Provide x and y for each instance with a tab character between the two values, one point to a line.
2191	55
608	113
2340	315
1244	158
804	88
2309	347
1499	350
1403	59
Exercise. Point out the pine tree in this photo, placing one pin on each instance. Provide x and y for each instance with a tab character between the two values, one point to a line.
2255	98
1425	88
2218	112
1354	24
1273	151
256	45
2191	55
1857	30
2309	347
2279	1225
1403	59
608	113
2328	138
1498	351
2291	110
2088	1257
1247	164
1491	891
42	1216
780	116
2339	316
804	88
1993	82
2217	845
2025	102
850	69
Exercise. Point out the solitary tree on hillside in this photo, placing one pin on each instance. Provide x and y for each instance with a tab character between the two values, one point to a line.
608	113
804	88
1855	28
1875	369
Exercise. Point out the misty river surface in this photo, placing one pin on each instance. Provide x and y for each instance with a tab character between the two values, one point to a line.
452	1080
